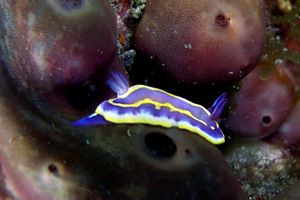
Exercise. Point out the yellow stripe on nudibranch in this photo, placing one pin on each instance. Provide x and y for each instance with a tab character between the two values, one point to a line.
157	105
160	121
136	87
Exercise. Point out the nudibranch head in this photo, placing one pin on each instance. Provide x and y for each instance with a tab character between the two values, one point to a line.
147	105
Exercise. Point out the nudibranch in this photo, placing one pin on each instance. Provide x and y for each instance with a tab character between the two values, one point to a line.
148	105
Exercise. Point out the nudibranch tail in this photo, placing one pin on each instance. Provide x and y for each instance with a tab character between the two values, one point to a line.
118	83
91	120
218	106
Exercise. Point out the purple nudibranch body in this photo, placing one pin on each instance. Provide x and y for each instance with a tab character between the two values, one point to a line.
148	105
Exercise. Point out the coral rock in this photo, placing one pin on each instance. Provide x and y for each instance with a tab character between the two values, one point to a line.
203	41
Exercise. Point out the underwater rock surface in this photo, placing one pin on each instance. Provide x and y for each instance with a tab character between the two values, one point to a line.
62	42
202	41
264	170
262	103
41	160
291	193
288	134
43	157
59	45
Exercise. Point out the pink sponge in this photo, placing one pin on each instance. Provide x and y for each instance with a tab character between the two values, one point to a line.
203	40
